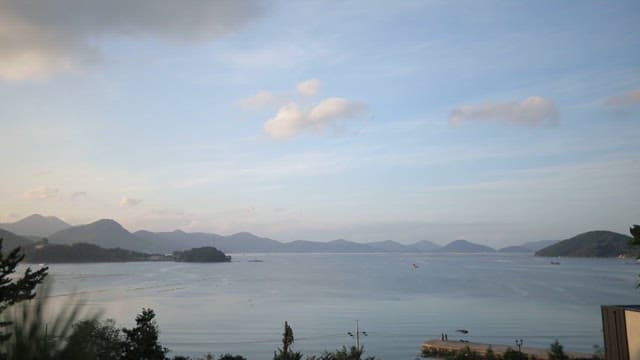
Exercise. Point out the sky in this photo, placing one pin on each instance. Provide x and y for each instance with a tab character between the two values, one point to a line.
494	121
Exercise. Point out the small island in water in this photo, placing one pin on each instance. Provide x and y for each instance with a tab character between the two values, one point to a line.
202	254
44	252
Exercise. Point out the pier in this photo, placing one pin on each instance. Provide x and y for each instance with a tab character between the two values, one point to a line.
450	346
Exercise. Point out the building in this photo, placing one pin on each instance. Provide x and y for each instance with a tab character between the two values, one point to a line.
621	329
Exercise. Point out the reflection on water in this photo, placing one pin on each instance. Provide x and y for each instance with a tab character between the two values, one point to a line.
239	307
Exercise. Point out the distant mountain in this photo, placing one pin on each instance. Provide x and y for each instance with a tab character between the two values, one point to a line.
464	246
388	246
36	225
424	246
592	244
335	246
178	240
105	233
515	249
11	241
537	245
247	242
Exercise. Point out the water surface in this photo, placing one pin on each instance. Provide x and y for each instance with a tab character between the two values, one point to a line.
239	307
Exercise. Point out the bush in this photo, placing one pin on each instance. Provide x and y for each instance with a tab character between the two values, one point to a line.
467	354
92	339
511	354
556	352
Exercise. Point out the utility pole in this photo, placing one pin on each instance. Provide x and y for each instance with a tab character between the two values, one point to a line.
357	334
519	343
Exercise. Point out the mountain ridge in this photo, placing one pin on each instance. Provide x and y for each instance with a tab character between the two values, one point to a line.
108	233
597	243
36	225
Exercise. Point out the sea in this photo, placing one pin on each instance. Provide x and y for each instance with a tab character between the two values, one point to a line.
399	300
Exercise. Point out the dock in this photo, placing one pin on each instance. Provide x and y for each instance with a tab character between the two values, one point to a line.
451	346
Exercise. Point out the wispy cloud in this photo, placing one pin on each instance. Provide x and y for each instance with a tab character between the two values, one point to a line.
41	193
306	164
628	99
44	37
292	119
309	87
260	100
532	111
127	202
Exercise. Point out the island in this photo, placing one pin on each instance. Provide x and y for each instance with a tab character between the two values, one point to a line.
593	244
44	252
202	254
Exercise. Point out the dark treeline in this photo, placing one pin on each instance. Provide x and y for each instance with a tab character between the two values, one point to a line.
203	254
45	252
80	253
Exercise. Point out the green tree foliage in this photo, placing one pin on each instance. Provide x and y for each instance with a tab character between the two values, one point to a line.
285	353
37	336
92	339
352	353
556	352
231	357
142	340
511	354
490	355
635	233
15	290
466	354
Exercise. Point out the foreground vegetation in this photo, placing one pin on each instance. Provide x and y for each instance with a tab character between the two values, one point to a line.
555	352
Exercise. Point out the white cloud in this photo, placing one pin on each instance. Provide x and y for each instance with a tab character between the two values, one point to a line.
291	119
259	100
630	98
532	111
309	87
40	38
129	202
41	193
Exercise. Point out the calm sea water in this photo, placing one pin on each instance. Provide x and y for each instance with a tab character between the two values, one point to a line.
240	307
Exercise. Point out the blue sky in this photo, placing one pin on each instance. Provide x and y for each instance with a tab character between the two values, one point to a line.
495	121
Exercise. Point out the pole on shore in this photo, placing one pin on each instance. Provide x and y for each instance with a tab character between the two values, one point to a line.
357	334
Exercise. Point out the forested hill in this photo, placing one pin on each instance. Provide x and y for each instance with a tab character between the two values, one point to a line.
11	241
80	253
592	244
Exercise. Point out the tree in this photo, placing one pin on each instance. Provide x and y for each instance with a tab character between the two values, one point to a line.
285	352
14	290
556	352
352	353
489	354
635	240
511	354
142	340
231	357
466	354
635	233
92	339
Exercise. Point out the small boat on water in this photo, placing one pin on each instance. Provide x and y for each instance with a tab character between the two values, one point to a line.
255	260
555	263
